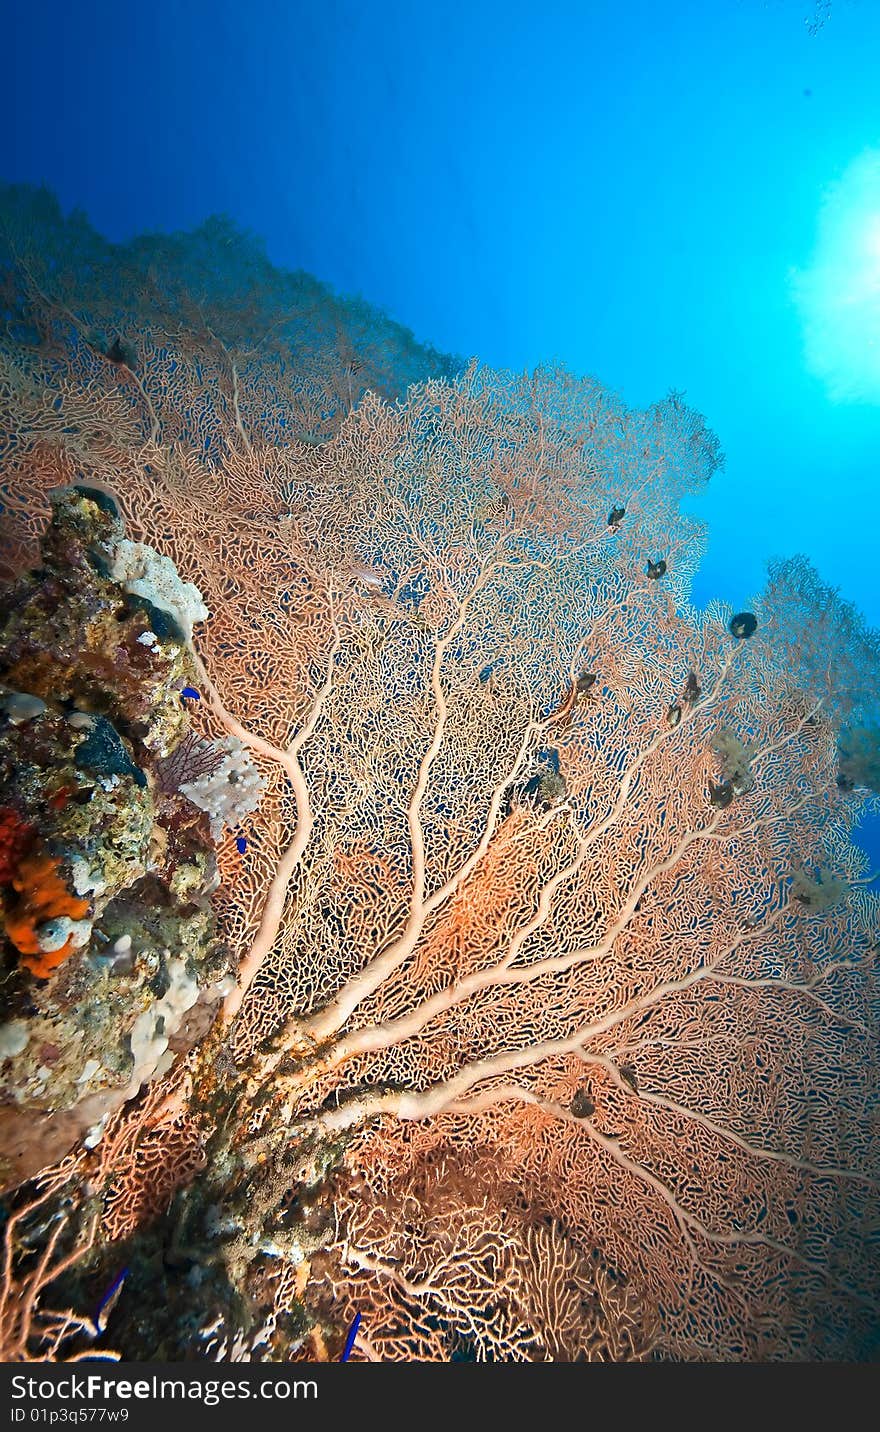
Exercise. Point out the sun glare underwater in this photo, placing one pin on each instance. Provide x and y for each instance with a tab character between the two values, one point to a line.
838	294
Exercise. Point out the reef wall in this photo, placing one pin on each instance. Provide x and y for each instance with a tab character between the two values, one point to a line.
550	1025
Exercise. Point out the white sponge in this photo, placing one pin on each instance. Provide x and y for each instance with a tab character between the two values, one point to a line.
147	573
231	791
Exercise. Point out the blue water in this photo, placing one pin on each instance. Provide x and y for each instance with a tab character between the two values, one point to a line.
666	196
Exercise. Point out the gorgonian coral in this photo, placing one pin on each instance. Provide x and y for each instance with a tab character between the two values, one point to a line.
584	1058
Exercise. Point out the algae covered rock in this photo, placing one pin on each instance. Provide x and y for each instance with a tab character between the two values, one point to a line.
109	940
70	632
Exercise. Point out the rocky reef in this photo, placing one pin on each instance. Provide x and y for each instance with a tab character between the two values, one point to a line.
111	962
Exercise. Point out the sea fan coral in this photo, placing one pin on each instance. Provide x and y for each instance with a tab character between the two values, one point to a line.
193	759
520	1078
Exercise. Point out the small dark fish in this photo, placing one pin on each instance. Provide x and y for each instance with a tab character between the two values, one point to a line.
585	682
628	1075
742	625
616	516
349	1341
582	1106
190	693
108	1301
691	688
241	844
121	353
721	796
673	714
655	569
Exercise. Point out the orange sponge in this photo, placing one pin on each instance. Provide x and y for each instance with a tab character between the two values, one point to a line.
42	896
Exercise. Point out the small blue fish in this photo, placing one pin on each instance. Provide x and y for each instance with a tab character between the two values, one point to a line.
349	1341
190	691
240	844
108	1301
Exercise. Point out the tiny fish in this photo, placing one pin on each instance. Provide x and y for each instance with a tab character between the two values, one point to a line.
370	578
743	625
190	691
241	844
691	689
108	1302
721	795
349	1341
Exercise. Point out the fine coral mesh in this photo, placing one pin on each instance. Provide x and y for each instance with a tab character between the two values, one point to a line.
612	1093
